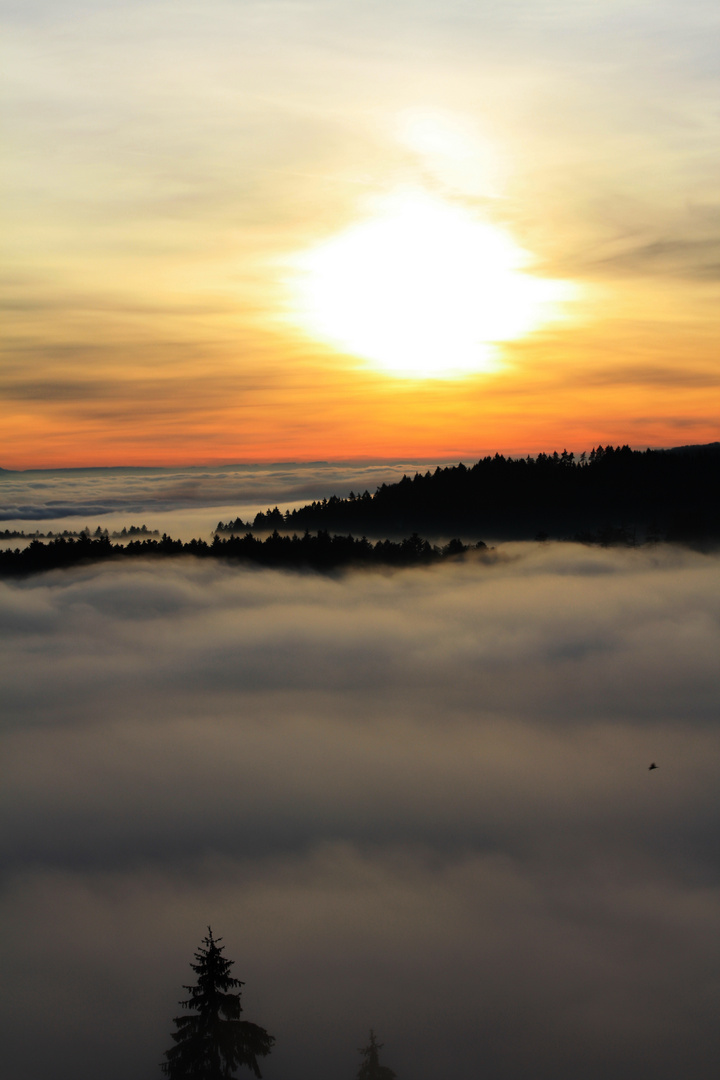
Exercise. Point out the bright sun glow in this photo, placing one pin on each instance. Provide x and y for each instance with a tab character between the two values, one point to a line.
422	289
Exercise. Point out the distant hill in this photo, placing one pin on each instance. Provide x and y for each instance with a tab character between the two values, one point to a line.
613	494
696	448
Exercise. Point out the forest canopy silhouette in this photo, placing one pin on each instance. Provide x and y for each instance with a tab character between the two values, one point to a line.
317	552
612	496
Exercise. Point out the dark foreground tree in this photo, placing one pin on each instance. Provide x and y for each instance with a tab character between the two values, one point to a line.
213	1042
370	1068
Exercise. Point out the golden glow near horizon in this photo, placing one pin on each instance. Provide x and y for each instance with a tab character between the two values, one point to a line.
236	232
422	288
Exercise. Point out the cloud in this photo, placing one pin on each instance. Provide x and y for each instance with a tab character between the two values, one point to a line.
92	492
417	801
651	375
681	256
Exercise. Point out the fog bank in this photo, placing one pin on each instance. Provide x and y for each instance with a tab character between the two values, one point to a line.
415	801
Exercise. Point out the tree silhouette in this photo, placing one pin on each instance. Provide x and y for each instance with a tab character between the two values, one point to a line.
213	1042
370	1067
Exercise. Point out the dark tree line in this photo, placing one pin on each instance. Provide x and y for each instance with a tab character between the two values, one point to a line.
236	526
129	530
320	551
613	494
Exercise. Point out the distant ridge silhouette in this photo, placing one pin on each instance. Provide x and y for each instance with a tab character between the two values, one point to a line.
611	495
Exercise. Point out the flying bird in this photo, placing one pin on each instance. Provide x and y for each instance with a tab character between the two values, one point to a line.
652	766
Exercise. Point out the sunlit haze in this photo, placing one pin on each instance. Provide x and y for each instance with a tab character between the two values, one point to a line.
236	231
422	288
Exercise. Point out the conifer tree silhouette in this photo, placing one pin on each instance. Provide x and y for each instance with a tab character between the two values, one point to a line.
370	1067
213	1042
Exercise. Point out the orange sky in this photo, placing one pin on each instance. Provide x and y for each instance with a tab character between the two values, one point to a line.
508	228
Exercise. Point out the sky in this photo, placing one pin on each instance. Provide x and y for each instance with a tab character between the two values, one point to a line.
265	251
273	230
413	801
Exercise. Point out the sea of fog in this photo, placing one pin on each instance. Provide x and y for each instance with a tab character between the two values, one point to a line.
185	502
417	801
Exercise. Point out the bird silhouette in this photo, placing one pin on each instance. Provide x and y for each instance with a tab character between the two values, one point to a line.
652	766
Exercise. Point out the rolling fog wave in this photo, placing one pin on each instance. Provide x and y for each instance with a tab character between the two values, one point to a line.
417	801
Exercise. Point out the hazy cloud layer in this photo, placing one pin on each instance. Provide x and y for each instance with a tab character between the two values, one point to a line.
417	801
48	494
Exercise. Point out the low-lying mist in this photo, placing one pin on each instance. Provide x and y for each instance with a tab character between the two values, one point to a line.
415	801
184	501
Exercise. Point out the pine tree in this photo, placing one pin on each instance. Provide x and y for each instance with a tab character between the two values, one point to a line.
370	1068
213	1042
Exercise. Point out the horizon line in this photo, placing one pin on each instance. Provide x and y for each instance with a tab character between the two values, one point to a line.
409	459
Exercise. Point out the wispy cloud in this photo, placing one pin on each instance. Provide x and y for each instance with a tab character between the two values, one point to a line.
687	256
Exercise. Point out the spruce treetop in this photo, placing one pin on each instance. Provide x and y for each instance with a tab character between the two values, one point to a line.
370	1067
212	1042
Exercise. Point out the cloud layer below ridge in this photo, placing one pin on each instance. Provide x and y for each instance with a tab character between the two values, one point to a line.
413	801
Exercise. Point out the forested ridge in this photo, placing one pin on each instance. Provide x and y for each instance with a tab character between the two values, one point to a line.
319	551
612	494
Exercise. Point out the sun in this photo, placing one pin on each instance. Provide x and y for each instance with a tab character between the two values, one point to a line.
421	288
